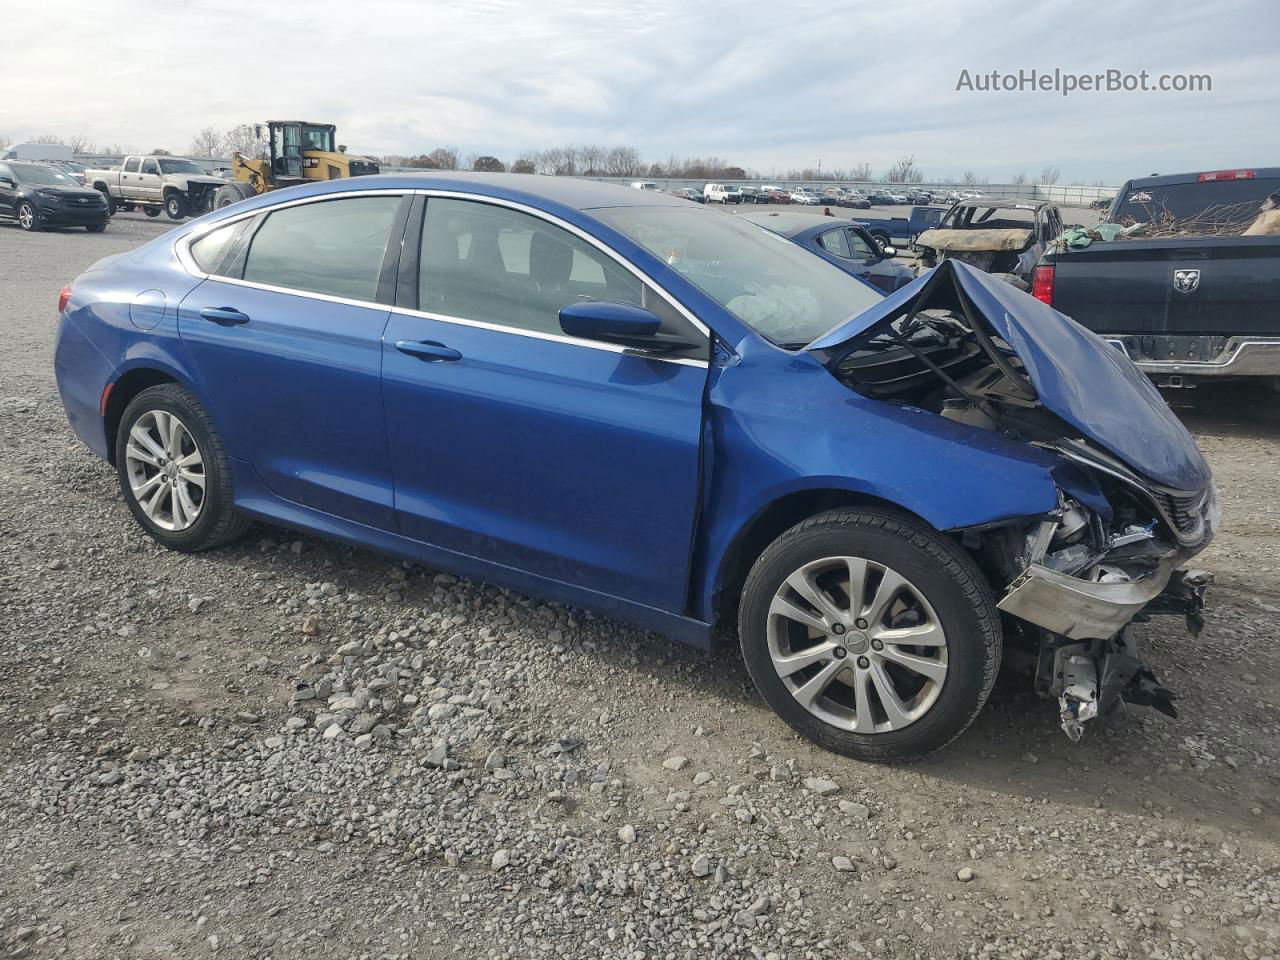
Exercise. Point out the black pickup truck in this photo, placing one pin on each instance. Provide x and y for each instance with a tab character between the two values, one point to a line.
1186	307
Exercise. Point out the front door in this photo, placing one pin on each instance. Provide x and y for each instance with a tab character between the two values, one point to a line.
287	340
515	444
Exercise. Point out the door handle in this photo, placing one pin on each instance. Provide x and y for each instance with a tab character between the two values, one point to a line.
227	316
428	350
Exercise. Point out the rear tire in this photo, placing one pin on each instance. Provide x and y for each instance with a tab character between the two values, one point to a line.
841	668
175	206
174	471
95	227
151	211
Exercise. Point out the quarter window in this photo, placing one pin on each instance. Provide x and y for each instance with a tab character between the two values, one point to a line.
496	265
333	247
210	249
837	242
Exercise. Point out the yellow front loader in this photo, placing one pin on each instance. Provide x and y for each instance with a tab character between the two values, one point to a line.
290	152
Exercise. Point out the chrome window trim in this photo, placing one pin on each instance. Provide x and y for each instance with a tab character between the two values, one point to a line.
553	337
184	257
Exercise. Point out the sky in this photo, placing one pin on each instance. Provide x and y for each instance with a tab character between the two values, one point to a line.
768	86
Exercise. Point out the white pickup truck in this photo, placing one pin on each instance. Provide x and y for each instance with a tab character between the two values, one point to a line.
173	184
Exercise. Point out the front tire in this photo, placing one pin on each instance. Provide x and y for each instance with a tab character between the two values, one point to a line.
28	218
233	192
174	471
95	227
870	634
175	206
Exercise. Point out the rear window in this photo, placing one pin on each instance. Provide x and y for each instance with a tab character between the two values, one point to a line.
1236	201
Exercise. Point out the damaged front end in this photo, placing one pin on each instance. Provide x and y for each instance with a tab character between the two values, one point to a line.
1135	498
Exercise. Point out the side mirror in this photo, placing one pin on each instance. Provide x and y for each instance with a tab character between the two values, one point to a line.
7	181
619	323
890	251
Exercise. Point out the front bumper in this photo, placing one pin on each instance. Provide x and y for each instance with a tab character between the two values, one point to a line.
1240	356
1080	609
56	215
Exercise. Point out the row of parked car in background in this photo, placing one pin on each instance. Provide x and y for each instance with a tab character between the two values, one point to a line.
829	195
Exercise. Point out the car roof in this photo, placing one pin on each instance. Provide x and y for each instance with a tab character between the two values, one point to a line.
794	224
563	191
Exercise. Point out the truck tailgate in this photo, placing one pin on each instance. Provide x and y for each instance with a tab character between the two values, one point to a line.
1226	285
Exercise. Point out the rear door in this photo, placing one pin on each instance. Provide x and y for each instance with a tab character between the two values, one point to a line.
131	178
569	459
149	181
286	337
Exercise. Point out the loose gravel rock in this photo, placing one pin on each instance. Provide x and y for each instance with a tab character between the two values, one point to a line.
289	747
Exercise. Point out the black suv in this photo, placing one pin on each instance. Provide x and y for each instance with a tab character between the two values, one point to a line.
40	195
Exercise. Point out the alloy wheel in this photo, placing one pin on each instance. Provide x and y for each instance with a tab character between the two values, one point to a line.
166	470
26	216
857	645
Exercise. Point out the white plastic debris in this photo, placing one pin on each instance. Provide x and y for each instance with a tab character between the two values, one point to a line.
1079	699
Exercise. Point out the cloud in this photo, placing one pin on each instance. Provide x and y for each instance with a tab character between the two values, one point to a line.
765	85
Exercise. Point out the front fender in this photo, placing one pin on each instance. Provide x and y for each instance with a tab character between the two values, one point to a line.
779	424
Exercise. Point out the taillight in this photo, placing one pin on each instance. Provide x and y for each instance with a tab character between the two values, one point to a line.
1042	283
1226	175
63	297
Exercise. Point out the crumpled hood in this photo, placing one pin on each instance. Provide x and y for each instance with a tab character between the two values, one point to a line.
1077	375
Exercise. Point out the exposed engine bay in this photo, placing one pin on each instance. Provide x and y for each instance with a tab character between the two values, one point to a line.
1073	581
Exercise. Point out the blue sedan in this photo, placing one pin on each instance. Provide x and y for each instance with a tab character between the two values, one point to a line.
616	399
841	242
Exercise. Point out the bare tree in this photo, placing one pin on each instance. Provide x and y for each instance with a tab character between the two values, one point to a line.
1050	174
444	158
1018	179
904	171
969	178
160	152
80	143
207	143
524	164
488	164
5	143
861	172
592	160
623	162
47	138
242	139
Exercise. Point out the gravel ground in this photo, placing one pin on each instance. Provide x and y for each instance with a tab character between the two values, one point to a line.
293	748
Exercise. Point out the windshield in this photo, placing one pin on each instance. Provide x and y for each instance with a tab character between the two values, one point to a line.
782	291
1215	200
173	165
39	173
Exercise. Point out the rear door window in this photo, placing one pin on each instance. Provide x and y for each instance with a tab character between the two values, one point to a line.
131	165
332	247
150	166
